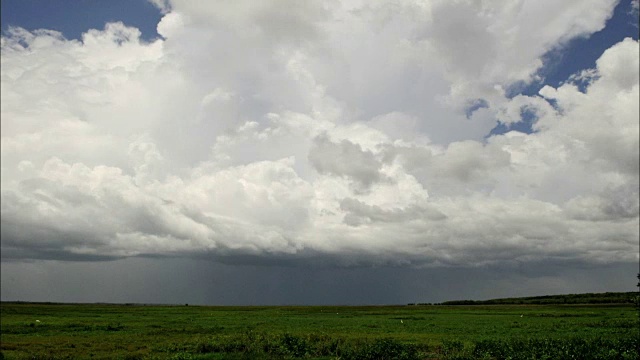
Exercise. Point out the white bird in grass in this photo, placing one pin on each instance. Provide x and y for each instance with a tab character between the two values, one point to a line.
37	320
401	321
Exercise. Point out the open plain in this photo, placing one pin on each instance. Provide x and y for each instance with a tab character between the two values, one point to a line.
104	331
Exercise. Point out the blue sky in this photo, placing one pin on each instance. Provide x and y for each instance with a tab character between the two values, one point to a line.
582	53
73	18
577	55
283	147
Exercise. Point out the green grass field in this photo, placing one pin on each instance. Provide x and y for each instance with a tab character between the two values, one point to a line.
60	331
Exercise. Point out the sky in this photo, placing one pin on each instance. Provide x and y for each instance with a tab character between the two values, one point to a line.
318	152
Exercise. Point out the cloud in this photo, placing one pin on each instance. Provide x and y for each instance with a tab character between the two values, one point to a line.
635	8
345	159
487	44
163	5
199	281
249	135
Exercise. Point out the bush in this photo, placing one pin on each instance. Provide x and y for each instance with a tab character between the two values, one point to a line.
294	346
385	349
576	348
182	356
288	346
291	346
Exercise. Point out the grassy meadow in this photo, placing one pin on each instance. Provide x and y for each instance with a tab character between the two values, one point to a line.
95	331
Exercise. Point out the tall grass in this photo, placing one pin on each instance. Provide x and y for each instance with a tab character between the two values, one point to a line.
313	346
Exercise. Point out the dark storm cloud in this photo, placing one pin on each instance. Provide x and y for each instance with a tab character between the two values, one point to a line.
180	281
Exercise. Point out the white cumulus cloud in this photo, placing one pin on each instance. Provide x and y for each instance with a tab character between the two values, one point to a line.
330	131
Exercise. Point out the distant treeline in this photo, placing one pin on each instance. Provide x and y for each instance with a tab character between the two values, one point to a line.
589	298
